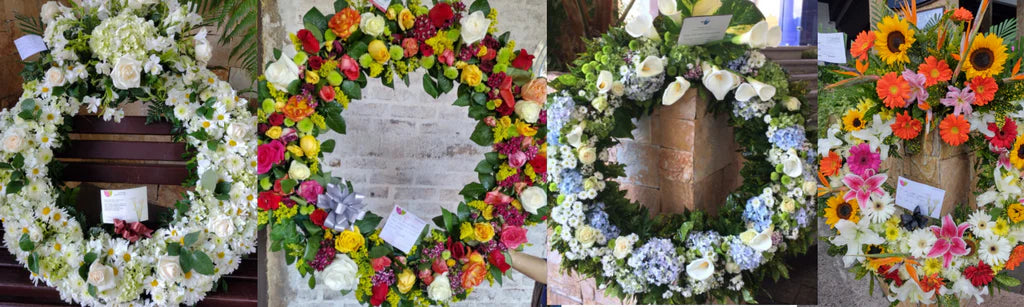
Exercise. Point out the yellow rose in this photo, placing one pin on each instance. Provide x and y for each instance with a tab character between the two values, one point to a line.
466	232
488	212
379	51
310	146
406	279
349	241
406	20
471	75
312	77
295	150
483	232
523	128
274	132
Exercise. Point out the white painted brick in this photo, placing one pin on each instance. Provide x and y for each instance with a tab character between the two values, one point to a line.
419	194
417	112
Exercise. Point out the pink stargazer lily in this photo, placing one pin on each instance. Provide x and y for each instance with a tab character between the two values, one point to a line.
862	188
951	242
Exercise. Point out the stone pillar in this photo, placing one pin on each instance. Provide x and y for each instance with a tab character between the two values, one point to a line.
938	165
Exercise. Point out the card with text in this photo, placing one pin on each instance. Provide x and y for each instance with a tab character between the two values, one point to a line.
130	205
699	30
832	47
911	194
29	45
402	229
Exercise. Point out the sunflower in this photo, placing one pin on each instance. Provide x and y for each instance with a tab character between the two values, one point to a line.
1017	154
893	38
839	209
953	129
853	120
986	56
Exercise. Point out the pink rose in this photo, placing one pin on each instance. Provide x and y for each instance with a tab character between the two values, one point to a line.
327	93
310	190
267	155
349	67
513	236
447	57
380	263
517	159
495	198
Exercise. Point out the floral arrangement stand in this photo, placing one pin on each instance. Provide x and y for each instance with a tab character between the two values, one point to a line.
939	165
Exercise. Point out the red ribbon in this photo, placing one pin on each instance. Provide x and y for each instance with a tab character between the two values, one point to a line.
131	231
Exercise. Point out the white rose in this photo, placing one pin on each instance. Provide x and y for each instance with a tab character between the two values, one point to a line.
341	274
49	11
237	131
791	103
371	24
127	73
587	235
101	276
792	166
623	247
604	81
587	155
618	88
223	227
575	136
720	81
55	76
533	198
700	269
788	205
675	91
298	170
474	27
168	268
440	289
810	187
203	49
651	66
14	141
282	73
527	110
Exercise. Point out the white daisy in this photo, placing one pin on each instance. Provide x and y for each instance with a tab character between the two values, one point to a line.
880	208
921	242
994	251
981	224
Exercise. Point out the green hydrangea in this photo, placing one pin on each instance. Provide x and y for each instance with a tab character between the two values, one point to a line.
120	35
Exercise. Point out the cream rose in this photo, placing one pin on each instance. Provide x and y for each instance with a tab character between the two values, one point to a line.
127	73
341	274
282	73
529	111
533	198
587	155
203	50
788	205
223	226
371	24
55	76
618	88
101	276
474	27
651	66
440	289
810	187
575	136
587	235
675	91
14	141
168	268
298	171
604	81
700	269
791	103
623	247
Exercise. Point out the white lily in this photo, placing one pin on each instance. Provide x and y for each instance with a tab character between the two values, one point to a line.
651	66
604	81
854	236
641	25
764	91
875	133
670	9
744	92
1005	187
963	288
911	292
979	122
825	145
720	81
762	241
700	269
675	91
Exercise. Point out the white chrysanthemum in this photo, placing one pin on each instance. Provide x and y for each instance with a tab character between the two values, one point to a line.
994	251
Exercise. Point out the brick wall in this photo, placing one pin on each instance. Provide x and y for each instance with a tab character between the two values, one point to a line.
404	147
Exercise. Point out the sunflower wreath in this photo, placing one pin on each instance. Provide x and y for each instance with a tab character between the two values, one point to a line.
944	76
320	222
103	54
689	257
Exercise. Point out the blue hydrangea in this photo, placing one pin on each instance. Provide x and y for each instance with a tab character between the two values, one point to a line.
599	220
559	112
640	88
801	217
704	241
789	137
657	262
572	182
744	256
757	213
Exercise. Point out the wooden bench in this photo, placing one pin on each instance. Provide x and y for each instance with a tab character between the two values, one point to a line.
101	153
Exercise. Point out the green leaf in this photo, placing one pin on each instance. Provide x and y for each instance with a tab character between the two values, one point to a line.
312	278
92	290
747	297
463	211
335	121
338	6
430	86
496	273
379	251
327	146
352	89
33	262
317	20
473	191
484	167
209	180
14	187
173	249
83	271
450	220
191	238
482	134
368	223
26	243
28	109
462	101
312	247
444	85
185	260
202	263
287	185
684	230
480	5
317	33
1007	280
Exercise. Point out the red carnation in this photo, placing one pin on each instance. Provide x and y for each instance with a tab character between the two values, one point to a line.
497	259
318	216
979	275
380	292
523	61
268	200
309	42
440	14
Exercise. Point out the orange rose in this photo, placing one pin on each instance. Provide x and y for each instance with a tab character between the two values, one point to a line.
536	90
297	108
344	23
473	274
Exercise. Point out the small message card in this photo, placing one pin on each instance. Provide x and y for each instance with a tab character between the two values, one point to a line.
926	17
402	229
832	47
29	45
703	29
910	195
381	5
130	205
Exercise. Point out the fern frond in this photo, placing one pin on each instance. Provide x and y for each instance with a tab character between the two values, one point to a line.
1007	30
30	24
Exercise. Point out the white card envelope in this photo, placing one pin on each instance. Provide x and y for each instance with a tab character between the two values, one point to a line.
699	30
832	47
402	229
29	45
911	194
130	205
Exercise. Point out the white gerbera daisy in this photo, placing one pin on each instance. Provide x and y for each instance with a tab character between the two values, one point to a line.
880	209
994	250
981	224
920	242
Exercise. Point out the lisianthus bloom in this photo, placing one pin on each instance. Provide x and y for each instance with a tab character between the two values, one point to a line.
950	240
523	60
862	159
349	67
1002	138
298	108
980	274
960	100
309	43
380	293
344	23
862	45
497	259
962	15
831	164
268	155
318	217
906	127
984	89
310	190
380	263
512	236
441	14
934	71
473	274
268	200
954	129
893	90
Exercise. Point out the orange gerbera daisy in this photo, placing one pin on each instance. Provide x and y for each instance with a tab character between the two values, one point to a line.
962	15
893	90
906	127
864	42
953	129
934	71
984	89
831	164
1015	257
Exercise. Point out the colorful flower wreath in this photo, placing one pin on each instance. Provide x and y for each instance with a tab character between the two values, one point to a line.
909	79
318	220
103	54
691	257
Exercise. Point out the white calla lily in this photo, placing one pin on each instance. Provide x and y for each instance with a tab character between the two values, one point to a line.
762	241
700	269
756	37
675	91
651	66
720	82
774	37
670	9
640	26
744	92
604	81
764	91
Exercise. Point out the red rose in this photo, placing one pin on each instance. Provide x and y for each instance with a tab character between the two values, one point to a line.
523	61
318	216
349	67
439	266
441	14
505	90
426	275
459	251
327	93
496	258
513	236
315	62
495	198
540	164
276	119
309	42
426	50
380	292
268	200
380	263
490	55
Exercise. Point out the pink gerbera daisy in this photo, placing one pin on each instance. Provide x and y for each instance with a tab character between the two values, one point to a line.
862	159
